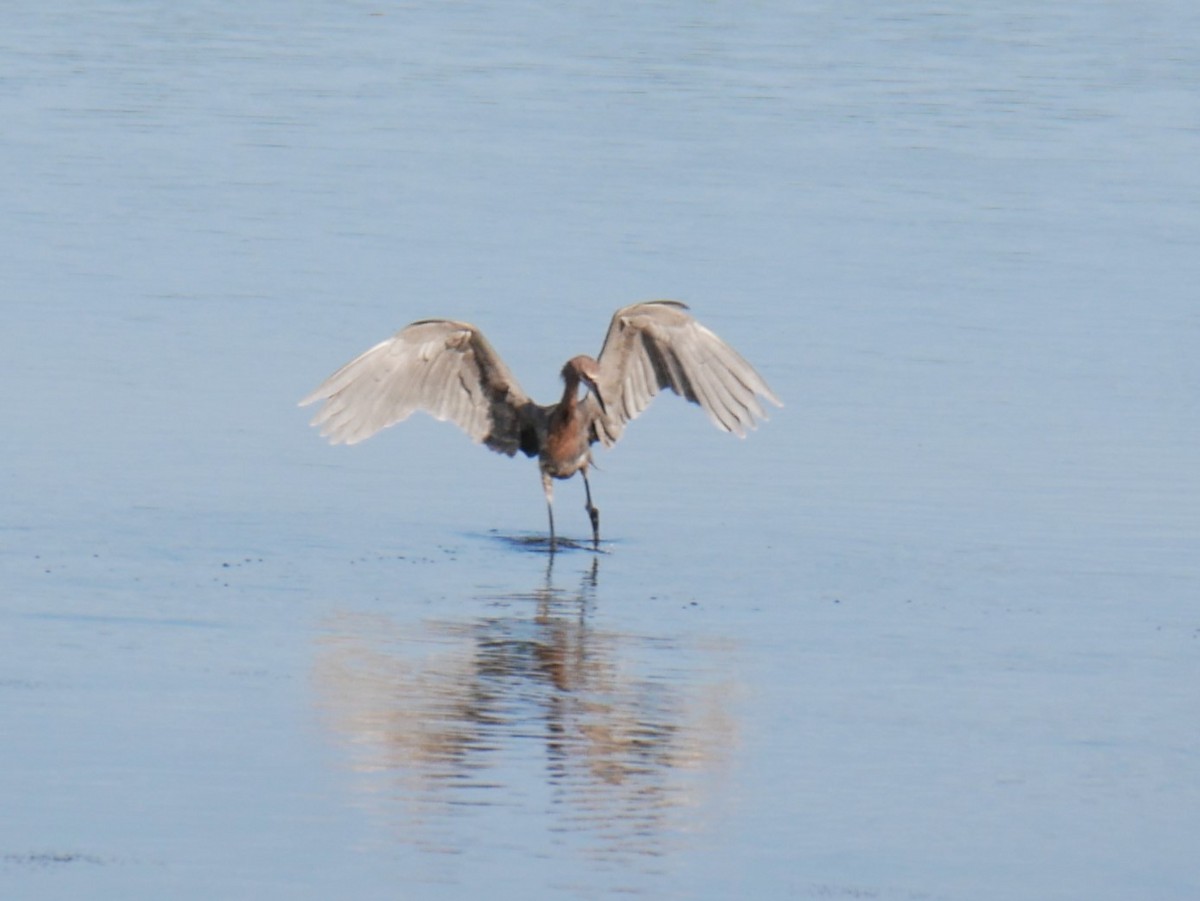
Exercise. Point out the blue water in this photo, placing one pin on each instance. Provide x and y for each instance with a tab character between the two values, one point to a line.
931	632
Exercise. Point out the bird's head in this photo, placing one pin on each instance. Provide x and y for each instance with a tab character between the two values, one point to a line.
584	369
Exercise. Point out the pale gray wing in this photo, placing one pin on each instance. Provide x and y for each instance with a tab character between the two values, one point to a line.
445	368
656	345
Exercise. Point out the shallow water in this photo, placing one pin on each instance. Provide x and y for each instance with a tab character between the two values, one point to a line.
931	632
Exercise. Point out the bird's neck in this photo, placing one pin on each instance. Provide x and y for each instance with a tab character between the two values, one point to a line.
570	399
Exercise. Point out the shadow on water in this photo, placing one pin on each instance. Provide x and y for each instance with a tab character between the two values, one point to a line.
611	740
540	544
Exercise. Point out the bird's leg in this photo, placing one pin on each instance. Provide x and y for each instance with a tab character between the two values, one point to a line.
548	487
593	513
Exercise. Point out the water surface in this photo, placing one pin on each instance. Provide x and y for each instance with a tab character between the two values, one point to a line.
930	633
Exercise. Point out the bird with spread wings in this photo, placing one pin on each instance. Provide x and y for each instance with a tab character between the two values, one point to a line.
450	371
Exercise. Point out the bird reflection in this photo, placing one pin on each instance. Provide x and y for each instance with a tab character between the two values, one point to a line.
443	717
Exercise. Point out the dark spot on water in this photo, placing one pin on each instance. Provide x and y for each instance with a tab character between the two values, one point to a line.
45	859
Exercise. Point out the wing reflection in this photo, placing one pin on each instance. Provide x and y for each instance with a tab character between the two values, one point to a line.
617	736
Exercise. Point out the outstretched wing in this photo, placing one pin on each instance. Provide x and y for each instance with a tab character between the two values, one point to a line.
656	345
446	368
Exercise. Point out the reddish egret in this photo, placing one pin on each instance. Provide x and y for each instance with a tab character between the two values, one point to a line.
449	370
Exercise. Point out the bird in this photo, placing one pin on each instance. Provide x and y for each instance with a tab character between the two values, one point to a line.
449	370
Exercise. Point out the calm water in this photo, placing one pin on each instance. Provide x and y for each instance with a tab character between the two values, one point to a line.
931	633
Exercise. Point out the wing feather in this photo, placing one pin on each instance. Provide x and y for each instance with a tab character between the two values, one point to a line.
656	345
444	368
